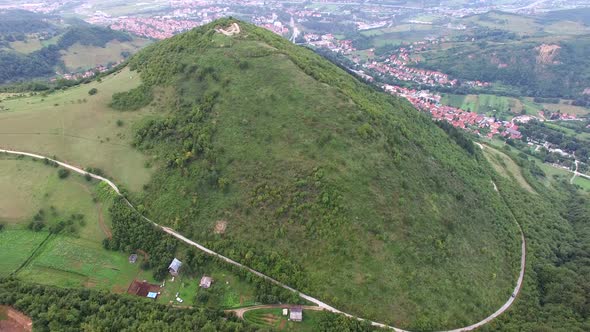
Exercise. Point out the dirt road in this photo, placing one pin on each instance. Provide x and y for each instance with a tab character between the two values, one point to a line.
320	304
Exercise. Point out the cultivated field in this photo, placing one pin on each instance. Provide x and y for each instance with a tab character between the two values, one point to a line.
274	318
79	128
71	262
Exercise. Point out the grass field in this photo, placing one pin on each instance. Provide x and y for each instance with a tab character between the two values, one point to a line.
16	246
79	56
35	186
274	319
486	104
71	262
66	260
564	107
505	166
504	21
582	182
83	133
567	28
27	46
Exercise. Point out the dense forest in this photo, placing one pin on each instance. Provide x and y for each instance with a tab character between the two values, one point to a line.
20	22
556	222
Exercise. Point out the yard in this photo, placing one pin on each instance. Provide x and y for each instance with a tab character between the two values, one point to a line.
226	292
274	318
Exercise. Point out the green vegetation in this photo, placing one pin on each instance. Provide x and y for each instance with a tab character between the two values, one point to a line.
16	66
554	295
16	246
133	99
86	135
315	175
534	68
57	309
274	318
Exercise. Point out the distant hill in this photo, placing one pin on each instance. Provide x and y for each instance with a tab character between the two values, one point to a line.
318	180
50	45
535	68
22	22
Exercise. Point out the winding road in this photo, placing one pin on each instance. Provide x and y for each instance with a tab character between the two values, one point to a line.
319	303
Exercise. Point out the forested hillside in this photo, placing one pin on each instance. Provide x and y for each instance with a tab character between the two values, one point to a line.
556	221
15	66
323	183
557	69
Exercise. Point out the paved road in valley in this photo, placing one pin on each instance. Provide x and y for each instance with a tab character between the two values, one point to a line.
319	303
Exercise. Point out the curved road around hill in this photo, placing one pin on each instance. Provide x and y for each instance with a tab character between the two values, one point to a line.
319	303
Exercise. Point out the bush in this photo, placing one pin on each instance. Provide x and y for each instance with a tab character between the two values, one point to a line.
120	123
1	227
63	173
92	91
36	225
133	99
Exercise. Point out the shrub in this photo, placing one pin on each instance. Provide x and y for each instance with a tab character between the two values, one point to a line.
133	99
92	91
63	173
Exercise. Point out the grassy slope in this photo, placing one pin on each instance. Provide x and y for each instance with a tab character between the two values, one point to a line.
80	56
403	227
33	186
84	134
66	260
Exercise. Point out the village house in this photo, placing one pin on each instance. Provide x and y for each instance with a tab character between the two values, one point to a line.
296	314
174	267
206	282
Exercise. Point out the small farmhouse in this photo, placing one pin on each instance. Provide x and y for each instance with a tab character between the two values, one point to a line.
296	314
174	267
206	282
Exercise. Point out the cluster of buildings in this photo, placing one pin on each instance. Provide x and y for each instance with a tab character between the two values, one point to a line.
330	42
473	122
154	27
88	73
396	65
152	291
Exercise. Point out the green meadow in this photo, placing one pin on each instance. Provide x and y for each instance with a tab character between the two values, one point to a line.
79	128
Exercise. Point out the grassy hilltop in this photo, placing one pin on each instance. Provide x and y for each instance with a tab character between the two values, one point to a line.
279	159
